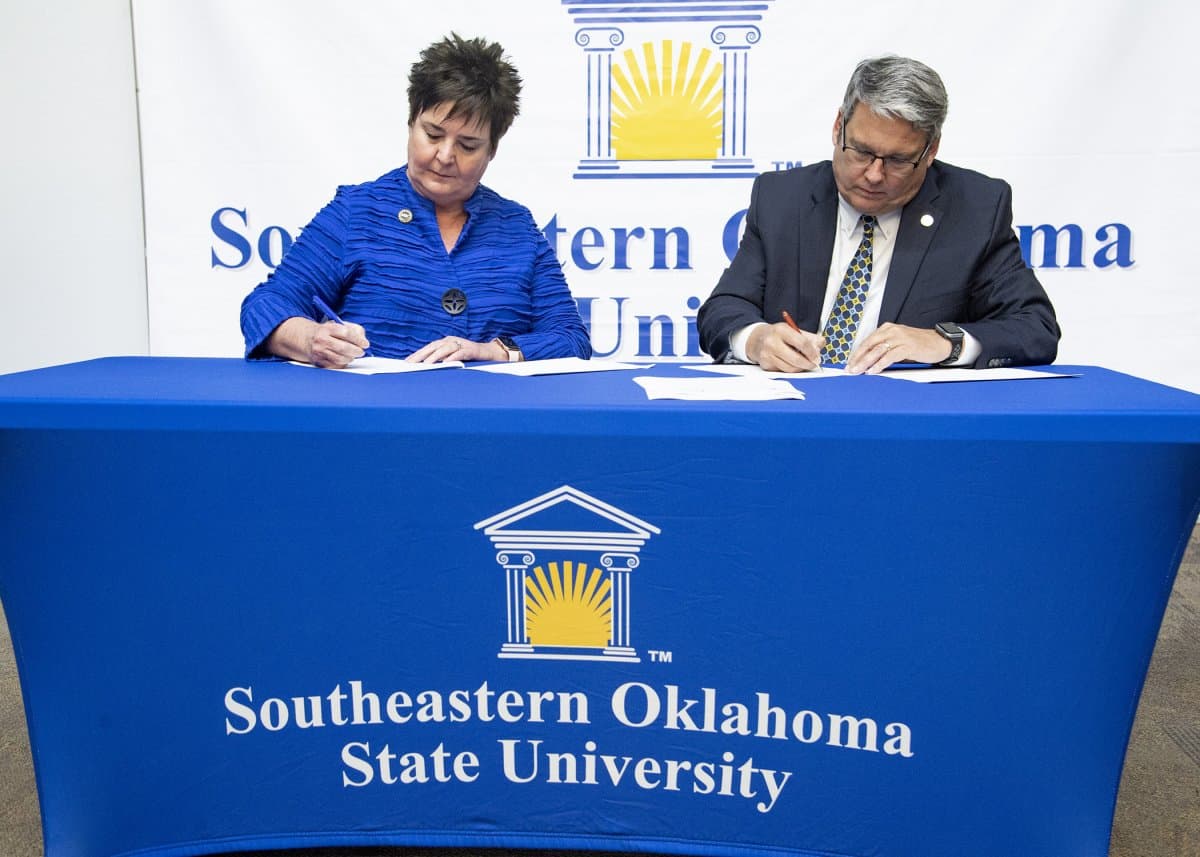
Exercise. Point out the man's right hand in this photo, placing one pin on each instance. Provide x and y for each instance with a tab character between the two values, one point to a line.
779	348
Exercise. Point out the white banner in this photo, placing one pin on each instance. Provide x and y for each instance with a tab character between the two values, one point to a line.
253	112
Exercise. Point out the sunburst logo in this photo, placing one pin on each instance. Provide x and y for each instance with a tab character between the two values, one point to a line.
568	561
665	105
568	608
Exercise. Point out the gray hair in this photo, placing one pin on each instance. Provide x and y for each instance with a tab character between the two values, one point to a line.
899	88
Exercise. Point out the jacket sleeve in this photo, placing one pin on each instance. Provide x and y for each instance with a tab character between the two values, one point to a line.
557	329
738	297
313	265
1008	311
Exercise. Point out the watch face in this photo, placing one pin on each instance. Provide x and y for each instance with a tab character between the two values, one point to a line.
508	342
949	329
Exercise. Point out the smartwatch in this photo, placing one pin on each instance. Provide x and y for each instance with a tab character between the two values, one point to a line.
954	334
514	350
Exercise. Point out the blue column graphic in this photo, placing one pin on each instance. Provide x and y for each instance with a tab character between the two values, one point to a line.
598	44
735	42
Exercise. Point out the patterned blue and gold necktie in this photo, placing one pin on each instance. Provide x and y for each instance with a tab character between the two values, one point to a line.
848	306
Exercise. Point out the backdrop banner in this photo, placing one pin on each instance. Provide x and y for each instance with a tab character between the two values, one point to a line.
642	125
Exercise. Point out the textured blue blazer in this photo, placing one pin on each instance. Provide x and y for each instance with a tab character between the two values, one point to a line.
965	266
375	255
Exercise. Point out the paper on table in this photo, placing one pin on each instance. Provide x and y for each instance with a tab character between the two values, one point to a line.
939	376
907	373
386	365
555	366
751	370
735	389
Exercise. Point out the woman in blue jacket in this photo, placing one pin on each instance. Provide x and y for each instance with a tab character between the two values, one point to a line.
425	263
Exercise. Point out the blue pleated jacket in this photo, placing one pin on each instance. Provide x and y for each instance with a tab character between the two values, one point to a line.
375	256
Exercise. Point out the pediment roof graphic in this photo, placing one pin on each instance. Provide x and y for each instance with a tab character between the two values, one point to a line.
566	518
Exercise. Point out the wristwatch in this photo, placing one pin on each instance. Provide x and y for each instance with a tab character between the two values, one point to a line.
952	332
514	350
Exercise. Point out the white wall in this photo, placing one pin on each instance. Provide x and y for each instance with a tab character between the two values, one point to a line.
73	280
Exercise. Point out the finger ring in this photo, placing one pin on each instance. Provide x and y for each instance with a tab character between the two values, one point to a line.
887	346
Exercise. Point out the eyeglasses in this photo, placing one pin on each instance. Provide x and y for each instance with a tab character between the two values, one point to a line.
893	165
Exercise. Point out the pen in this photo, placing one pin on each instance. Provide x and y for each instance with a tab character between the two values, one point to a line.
332	316
324	307
792	324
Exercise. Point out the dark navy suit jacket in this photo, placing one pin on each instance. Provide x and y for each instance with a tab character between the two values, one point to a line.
964	267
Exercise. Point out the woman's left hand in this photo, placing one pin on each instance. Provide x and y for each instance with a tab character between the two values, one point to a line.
457	348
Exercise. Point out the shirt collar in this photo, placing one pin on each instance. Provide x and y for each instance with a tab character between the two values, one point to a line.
885	224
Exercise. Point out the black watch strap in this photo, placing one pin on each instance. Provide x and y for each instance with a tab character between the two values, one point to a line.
954	334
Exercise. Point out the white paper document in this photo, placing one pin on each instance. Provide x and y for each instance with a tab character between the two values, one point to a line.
728	389
940	376
921	375
386	365
750	370
555	366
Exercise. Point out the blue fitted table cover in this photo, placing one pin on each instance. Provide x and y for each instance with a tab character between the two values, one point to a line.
257	605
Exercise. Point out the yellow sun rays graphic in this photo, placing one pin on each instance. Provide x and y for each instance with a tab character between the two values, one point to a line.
667	108
568	608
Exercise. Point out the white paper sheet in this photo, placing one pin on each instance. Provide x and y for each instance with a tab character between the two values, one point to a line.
941	376
923	375
386	365
555	366
730	389
750	370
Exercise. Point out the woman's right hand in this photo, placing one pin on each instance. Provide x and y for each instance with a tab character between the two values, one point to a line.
329	345
334	345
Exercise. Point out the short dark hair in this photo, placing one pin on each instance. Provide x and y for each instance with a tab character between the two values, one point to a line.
474	76
899	88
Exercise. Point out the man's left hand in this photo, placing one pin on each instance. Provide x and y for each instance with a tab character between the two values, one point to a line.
891	343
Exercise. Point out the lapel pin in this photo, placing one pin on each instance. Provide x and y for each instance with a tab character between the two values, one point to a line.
927	220
405	215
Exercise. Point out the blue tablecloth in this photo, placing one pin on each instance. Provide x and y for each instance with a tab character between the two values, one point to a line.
265	606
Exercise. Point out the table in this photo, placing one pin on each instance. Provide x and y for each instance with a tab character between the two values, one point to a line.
266	606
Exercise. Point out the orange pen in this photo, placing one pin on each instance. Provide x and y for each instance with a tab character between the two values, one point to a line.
792	324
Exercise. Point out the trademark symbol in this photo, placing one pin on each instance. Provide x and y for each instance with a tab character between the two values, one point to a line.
658	657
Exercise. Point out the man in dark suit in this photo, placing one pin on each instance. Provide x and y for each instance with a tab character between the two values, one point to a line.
882	255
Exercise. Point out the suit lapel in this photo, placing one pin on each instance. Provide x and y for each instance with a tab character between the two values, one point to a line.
919	223
815	233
